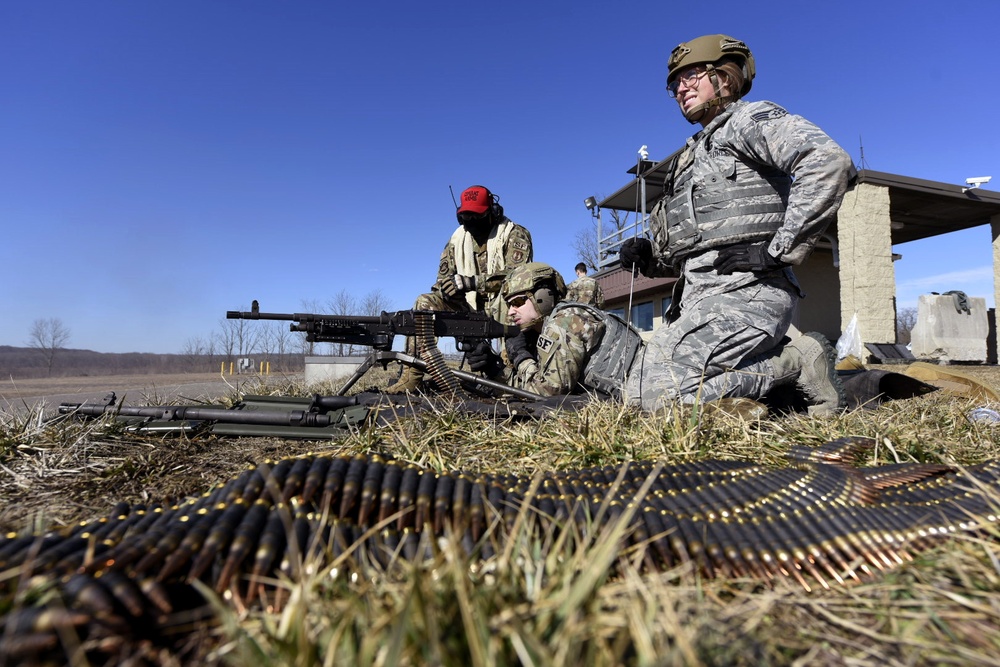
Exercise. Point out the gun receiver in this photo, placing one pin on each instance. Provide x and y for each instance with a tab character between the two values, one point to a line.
378	331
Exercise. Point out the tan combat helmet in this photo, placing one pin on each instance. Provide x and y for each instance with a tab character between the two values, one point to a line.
539	282
708	50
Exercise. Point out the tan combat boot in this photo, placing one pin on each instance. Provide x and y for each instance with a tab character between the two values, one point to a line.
409	381
811	361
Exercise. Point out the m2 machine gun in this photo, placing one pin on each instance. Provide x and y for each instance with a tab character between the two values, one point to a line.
379	332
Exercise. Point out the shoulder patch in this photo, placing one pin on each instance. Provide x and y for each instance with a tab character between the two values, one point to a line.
768	114
545	343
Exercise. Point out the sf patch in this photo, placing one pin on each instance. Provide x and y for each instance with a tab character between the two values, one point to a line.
519	250
545	343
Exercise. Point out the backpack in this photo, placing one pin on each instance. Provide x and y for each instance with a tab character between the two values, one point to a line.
609	365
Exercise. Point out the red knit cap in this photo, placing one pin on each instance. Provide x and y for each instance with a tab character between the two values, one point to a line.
476	199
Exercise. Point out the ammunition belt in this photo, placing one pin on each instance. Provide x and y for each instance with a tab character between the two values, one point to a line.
816	521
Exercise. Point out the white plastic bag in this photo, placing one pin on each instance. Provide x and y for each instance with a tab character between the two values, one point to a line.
849	342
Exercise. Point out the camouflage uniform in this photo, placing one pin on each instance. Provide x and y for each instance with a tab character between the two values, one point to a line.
727	327
585	290
516	251
568	339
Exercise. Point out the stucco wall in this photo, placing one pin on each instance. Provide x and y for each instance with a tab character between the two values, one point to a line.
820	309
867	277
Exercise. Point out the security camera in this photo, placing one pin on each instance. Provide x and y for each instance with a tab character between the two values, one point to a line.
979	180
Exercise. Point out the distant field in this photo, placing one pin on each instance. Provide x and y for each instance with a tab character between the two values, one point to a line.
79	389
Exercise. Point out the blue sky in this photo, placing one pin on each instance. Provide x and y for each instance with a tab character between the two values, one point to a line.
163	162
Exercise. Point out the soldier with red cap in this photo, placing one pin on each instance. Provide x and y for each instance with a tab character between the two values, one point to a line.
476	260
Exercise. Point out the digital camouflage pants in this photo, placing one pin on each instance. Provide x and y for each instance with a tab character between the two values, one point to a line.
719	347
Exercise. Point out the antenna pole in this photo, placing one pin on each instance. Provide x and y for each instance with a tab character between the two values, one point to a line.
862	164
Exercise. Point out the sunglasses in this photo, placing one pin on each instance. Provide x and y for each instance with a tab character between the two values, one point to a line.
466	217
517	300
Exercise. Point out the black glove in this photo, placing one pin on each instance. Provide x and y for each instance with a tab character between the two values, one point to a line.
636	254
517	349
746	257
483	359
465	283
449	288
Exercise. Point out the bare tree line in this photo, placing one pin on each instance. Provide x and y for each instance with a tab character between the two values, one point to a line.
240	339
586	242
263	341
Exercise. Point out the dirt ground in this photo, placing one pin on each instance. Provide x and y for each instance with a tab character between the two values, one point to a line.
51	481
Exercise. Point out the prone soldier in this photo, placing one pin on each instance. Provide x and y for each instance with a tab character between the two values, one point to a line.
563	347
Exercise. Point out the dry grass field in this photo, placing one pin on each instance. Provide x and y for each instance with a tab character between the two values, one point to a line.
172	386
582	607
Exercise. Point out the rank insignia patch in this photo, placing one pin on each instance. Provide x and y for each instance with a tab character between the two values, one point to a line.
771	114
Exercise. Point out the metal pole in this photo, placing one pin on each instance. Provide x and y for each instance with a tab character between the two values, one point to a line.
600	255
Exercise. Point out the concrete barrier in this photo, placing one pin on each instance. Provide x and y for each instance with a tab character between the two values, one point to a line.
330	369
950	328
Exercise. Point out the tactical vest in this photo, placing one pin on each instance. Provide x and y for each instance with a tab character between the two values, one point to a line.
609	364
714	197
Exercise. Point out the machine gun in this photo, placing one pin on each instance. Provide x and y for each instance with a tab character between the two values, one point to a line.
379	332
279	416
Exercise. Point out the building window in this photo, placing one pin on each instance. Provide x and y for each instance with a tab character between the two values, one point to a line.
642	316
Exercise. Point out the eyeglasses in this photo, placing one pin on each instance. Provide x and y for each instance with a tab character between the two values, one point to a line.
688	77
517	300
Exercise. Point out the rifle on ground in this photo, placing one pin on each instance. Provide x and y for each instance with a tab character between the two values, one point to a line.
379	332
317	416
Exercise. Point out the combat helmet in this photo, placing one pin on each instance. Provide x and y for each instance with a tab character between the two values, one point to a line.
708	50
539	282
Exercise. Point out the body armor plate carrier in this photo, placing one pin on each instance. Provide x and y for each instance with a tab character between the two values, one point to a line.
610	363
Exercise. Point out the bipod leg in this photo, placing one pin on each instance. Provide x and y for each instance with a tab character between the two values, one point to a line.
365	366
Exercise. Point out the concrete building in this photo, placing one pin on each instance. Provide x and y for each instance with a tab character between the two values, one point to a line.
851	271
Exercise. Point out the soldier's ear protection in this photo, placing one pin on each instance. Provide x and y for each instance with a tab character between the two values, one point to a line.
545	299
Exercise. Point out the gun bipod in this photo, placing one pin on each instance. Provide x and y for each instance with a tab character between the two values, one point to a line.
471	381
